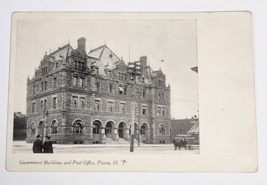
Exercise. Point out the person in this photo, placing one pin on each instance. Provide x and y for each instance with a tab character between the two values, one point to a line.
37	145
48	145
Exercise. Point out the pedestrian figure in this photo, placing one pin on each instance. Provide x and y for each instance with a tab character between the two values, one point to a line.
37	145
48	145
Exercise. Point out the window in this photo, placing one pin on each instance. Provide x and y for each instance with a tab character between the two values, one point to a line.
163	111
42	86
83	103
96	70
45	85
44	104
110	106
75	79
77	127
56	65
97	86
181	128
144	93
33	89
109	73
125	90
54	127
75	64
120	90
81	82
96	127
79	65
159	111
132	78
122	107
54	102
143	110
110	88
97	105
33	107
33	128
159	96
161	130
143	80
143	129
55	82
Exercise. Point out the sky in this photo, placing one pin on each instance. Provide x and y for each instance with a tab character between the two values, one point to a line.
173	41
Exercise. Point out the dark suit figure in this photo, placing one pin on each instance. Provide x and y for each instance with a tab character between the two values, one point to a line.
48	145
37	145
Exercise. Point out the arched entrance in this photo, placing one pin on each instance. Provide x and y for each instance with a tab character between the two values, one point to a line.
121	129
143	129
135	128
108	129
78	127
41	128
97	127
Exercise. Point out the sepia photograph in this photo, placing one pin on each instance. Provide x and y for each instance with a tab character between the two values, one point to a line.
106	86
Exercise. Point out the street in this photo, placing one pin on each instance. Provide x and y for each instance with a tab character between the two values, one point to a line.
23	147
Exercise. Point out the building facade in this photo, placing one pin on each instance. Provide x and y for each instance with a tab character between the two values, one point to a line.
85	98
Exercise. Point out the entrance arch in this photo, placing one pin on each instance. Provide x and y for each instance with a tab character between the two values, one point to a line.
143	129
97	127
109	128
121	129
41	128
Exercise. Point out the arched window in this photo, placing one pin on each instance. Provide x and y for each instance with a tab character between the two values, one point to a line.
33	128
54	127
143	129
161	130
77	127
96	127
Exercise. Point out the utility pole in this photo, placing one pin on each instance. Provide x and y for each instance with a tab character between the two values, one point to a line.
139	113
134	69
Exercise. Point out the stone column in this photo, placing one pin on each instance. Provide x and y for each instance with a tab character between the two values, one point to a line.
127	134
102	136
115	134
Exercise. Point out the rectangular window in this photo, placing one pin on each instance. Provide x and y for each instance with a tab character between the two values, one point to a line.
125	90
81	82
54	102
97	105
82	103
45	86
163	111
122	107
159	111
56	65
33	107
33	89
42	86
159	96
44	104
110	106
144	93
75	64
75	81
55	82
74	101
97	86
96	70
143	110
110	88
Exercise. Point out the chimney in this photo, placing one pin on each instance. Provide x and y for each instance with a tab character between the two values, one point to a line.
82	44
143	60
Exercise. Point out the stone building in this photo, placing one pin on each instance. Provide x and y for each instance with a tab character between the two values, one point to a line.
78	97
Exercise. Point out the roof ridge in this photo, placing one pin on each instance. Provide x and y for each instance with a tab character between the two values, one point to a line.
97	48
60	48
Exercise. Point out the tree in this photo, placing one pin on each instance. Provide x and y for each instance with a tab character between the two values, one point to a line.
20	126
